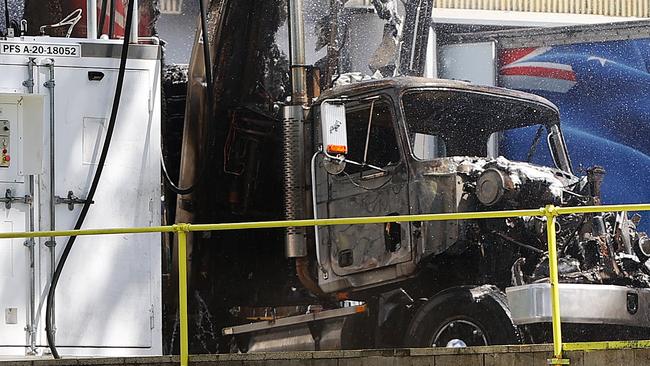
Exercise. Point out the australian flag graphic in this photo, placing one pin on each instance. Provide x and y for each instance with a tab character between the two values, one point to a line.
603	92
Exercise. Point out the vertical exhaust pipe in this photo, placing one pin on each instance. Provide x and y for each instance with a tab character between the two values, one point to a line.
293	136
297	44
293	170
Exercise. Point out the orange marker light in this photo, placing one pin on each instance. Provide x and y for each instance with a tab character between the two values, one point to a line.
337	149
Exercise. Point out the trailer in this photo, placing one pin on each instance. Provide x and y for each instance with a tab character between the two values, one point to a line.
595	74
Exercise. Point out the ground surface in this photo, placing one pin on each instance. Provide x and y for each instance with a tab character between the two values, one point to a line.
531	355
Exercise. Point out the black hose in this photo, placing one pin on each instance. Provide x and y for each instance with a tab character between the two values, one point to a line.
111	21
208	81
7	17
170	183
93	186
102	18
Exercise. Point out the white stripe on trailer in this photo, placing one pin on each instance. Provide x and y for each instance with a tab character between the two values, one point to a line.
546	65
524	82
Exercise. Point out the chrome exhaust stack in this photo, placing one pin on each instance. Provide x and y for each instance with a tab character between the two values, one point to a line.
293	170
293	136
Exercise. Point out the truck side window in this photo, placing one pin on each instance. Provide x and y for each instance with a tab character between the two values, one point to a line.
382	142
427	147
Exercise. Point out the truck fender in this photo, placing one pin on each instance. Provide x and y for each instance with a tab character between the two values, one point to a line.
463	316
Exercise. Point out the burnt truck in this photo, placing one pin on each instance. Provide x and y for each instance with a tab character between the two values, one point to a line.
387	147
413	146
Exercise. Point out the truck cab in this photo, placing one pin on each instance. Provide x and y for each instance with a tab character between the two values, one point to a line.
419	146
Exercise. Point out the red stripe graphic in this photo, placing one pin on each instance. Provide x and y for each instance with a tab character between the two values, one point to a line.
539	71
513	54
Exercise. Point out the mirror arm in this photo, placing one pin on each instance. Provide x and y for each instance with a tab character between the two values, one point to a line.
376	168
365	165
339	158
343	159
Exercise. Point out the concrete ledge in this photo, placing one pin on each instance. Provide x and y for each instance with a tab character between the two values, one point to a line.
526	355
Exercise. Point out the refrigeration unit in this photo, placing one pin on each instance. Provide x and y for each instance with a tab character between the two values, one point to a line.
55	102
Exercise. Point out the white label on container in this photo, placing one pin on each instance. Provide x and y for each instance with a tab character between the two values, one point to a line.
40	49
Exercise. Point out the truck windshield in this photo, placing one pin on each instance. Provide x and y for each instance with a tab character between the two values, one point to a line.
443	123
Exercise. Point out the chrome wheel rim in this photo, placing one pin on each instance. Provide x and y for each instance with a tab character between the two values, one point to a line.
459	333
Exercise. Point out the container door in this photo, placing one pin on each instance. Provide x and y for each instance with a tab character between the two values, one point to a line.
107	291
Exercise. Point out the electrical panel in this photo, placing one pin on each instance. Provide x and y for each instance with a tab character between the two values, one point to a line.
9	140
5	143
21	136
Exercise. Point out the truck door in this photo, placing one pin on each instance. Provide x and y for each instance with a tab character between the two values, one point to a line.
368	191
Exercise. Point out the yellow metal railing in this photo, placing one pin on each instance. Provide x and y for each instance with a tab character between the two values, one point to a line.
550	212
618	8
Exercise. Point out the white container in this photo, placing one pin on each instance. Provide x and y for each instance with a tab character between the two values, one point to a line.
108	300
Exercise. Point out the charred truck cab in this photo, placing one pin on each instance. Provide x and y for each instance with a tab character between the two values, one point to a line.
418	146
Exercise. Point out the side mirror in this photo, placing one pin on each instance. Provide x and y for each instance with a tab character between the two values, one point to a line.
333	128
334	133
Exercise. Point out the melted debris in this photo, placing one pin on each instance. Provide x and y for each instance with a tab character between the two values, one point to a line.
592	248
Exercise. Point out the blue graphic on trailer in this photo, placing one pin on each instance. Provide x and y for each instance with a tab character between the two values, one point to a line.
603	92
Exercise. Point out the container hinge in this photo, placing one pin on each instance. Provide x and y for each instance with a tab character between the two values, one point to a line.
71	200
9	198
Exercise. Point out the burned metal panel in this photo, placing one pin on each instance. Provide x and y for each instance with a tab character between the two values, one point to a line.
398	265
437	191
236	179
373	260
356	248
409	82
370	191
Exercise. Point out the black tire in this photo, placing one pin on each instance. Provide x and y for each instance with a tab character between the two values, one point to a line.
477	317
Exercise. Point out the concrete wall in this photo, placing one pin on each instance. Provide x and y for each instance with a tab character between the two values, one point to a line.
529	355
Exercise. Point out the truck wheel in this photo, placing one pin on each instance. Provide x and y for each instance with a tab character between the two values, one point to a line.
463	316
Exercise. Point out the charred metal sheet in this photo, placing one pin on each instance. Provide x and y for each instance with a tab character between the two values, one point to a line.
402	83
356	248
235	183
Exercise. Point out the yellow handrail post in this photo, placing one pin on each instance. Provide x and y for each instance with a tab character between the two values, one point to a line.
551	213
181	231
